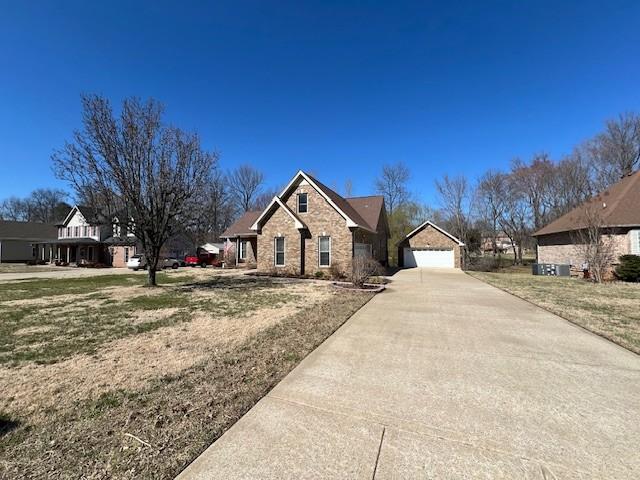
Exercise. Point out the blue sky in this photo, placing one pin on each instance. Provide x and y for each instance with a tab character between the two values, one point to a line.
336	88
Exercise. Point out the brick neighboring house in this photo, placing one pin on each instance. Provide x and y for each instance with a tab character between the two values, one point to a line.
85	236
617	208
310	228
428	245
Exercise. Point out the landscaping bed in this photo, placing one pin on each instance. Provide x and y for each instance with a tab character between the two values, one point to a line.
104	378
611	310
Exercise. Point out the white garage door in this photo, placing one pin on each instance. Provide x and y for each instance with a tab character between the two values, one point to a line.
428	258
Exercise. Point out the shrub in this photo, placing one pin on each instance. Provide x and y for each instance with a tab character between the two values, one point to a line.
319	274
487	263
363	268
629	268
335	272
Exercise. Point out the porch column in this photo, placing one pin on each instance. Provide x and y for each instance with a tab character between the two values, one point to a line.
237	250
68	253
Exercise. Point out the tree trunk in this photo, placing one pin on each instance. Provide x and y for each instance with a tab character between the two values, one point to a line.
151	278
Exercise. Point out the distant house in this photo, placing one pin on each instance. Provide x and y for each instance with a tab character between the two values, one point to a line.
25	241
86	236
503	243
310	228
618	212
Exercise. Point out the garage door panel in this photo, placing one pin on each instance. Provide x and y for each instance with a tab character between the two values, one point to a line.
414	257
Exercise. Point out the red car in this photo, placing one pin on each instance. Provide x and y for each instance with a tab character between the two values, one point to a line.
203	260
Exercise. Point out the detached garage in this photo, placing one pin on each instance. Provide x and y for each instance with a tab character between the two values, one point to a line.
430	246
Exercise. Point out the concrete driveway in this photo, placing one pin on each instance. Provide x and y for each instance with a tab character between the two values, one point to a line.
443	376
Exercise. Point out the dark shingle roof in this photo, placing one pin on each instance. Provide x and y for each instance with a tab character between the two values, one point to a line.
10	230
242	226
369	208
618	206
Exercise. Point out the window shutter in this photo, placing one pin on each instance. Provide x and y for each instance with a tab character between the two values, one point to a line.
635	242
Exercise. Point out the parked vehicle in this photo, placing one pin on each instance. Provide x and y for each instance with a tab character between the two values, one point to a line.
169	263
204	259
136	262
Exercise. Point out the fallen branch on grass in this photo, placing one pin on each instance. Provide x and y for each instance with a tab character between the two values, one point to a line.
136	438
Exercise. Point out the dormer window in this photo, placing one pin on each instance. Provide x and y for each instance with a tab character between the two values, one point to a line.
116	228
303	205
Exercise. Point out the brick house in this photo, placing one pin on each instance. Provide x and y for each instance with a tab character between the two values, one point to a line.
428	245
617	211
310	228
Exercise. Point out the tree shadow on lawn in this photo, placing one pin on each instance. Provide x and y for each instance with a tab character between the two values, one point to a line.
235	283
7	424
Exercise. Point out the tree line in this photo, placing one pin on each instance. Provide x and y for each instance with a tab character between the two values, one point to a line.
519	200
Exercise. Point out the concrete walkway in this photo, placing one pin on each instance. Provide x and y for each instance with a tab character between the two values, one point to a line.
443	376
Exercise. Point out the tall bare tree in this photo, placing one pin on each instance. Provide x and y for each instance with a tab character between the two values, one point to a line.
245	183
264	198
535	181
616	151
454	197
491	195
137	163
516	217
392	184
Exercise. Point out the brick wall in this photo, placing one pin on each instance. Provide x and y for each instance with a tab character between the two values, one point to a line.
280	224
322	219
430	237
561	248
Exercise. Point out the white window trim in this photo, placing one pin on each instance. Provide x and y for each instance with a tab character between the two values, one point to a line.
319	252
634	239
275	251
306	203
242	254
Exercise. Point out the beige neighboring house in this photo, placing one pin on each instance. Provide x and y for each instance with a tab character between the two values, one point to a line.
310	228
86	236
25	241
618	212
428	245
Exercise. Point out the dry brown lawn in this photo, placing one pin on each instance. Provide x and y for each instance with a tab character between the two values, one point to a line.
109	379
611	310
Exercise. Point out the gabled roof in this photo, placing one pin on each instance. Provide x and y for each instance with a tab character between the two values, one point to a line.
422	226
242	226
89	214
10	230
618	206
275	203
343	206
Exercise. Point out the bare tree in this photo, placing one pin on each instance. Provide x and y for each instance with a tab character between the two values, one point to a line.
14	209
516	218
348	188
264	198
45	205
491	194
535	181
593	244
137	163
245	183
392	184
571	184
616	151
454	199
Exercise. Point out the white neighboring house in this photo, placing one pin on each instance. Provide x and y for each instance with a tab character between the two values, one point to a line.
85	236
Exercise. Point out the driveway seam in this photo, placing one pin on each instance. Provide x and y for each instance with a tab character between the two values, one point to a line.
375	467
